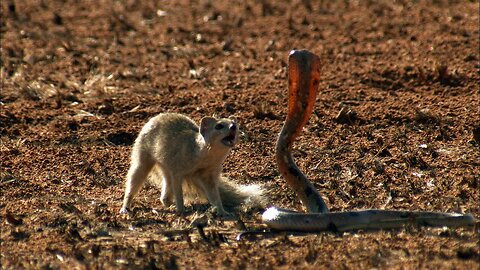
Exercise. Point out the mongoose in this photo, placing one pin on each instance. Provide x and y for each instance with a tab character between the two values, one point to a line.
185	154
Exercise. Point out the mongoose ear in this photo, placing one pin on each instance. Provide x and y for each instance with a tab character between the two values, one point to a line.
233	118
205	124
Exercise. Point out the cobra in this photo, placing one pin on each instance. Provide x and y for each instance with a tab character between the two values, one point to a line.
303	81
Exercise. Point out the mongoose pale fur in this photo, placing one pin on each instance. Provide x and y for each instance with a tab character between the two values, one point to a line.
186	154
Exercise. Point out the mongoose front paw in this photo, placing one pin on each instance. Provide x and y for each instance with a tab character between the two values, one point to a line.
180	210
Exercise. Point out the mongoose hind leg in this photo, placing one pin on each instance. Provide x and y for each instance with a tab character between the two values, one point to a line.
140	167
167	195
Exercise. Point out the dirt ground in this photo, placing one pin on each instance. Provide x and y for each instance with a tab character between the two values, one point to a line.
80	78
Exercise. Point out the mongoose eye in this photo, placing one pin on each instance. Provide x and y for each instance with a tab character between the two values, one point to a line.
218	126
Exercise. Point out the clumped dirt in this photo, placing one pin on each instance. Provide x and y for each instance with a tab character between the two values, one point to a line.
396	126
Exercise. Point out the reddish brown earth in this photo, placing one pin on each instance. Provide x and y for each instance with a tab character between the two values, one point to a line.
80	78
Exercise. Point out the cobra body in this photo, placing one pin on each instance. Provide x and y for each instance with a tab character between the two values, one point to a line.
304	77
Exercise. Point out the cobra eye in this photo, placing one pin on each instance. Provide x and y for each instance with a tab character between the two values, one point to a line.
219	126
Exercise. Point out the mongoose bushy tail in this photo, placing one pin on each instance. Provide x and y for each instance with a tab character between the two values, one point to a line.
231	193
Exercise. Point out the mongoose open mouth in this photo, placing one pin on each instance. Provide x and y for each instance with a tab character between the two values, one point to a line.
230	139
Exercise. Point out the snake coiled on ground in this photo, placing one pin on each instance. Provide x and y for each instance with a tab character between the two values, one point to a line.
303	81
